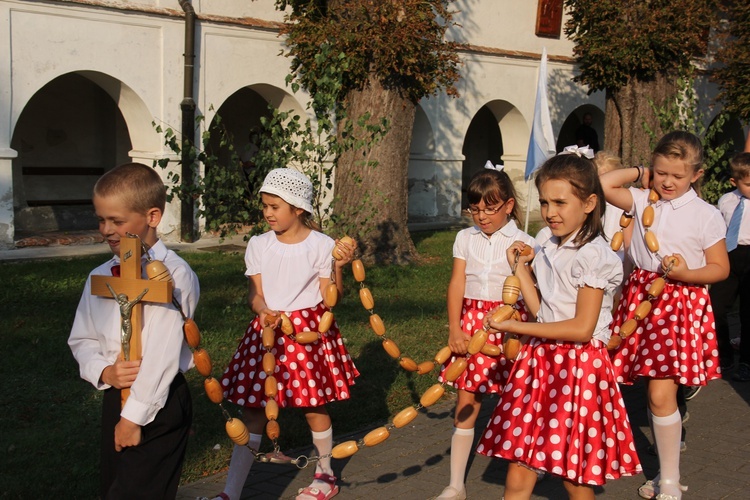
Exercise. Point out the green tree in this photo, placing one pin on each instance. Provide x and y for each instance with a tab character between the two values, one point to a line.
636	51
396	54
733	74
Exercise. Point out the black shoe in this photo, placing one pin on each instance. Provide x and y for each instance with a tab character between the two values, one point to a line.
691	391
742	374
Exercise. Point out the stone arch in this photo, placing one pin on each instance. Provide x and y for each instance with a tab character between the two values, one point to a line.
67	133
427	186
498	132
567	135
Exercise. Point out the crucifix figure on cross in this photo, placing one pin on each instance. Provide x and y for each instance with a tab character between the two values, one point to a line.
130	291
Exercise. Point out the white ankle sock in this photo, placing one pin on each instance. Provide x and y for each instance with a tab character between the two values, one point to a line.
667	433
239	467
323	442
461	444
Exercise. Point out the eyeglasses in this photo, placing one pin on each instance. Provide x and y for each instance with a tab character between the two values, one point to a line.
487	211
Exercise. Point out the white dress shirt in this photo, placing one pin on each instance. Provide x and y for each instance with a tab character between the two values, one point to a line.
95	337
727	204
486	261
561	270
686	225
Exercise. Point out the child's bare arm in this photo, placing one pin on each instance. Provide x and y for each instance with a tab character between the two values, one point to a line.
614	183
457	339
257	302
715	270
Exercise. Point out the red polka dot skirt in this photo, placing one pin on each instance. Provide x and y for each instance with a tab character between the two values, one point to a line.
676	340
307	375
562	412
483	374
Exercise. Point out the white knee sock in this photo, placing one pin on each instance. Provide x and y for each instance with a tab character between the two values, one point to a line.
667	433
323	442
239	467
461	445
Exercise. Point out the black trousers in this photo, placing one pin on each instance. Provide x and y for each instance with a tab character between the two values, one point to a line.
152	469
723	296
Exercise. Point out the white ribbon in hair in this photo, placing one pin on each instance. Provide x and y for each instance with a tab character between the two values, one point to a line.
490	166
584	151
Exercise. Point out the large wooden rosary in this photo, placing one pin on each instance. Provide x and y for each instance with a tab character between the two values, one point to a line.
657	286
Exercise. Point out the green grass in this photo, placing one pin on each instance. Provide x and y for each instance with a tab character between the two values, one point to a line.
50	418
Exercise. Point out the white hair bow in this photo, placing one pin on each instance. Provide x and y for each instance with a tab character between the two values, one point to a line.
584	151
490	166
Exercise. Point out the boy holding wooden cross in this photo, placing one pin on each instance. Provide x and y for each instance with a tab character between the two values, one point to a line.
144	434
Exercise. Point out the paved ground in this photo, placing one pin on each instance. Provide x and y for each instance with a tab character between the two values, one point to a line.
414	461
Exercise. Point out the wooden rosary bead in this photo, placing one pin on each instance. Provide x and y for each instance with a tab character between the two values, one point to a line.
192	334
273	430
391	348
202	362
358	270
270	319
614	342
366	297
331	297
286	324
642	310
511	346
431	395
477	341
376	436
307	337
502	314
337	253
526	250
648	216
377	325
656	287
269	363
408	364
156	270
491	350
651	242
617	240
628	328
213	390
625	220
425	367
271	387
653	196
272	409
404	417
344	450
268	336
511	289
443	355
326	320
237	431
455	369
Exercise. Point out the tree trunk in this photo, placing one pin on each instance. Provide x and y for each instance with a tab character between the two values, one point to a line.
627	110
371	201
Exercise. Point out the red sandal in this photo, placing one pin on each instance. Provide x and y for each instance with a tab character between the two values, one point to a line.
312	492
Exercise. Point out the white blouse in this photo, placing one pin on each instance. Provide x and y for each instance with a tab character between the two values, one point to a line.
290	273
561	270
95	337
686	225
486	262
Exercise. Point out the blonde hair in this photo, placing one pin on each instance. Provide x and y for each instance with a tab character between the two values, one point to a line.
137	185
606	162
681	145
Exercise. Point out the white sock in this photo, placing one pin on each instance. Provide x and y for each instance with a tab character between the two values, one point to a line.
667	433
239	467
462	442
323	442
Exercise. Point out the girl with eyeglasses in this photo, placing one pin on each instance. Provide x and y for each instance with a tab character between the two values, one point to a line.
480	267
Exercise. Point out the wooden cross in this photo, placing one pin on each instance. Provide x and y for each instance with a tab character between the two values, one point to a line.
133	290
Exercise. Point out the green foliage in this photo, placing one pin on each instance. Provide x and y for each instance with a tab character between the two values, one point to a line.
682	114
734	76
401	43
620	40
